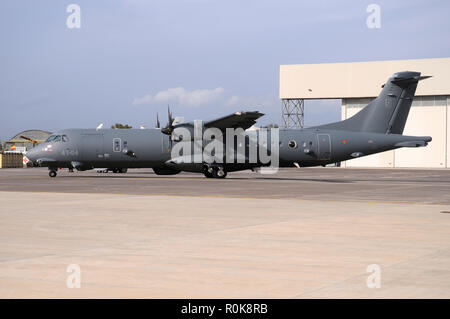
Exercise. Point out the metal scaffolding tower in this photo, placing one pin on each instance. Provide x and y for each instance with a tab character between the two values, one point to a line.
293	113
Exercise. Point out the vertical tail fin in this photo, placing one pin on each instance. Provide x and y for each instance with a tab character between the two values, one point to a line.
389	111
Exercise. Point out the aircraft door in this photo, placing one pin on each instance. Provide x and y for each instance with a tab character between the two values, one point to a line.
324	146
92	147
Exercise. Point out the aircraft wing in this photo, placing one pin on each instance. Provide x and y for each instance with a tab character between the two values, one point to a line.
235	120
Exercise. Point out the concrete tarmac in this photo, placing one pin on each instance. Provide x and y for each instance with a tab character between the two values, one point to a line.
386	185
308	233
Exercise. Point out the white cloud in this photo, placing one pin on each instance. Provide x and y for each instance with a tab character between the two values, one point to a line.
217	97
147	99
183	97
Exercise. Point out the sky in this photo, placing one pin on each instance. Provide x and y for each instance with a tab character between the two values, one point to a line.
131	58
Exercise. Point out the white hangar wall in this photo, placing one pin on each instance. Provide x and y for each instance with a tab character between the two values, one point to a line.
359	79
356	84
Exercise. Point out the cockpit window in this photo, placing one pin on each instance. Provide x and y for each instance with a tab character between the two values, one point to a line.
50	138
57	138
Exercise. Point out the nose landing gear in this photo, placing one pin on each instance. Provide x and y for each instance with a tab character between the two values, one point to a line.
52	172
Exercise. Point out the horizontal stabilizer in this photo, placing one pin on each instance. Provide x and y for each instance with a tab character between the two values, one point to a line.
418	143
407	80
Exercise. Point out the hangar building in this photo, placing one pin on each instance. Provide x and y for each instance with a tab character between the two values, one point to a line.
23	141
356	84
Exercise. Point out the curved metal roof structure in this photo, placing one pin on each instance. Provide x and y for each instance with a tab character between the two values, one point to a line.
38	135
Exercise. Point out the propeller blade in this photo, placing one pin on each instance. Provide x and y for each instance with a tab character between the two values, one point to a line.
158	125
170	116
169	127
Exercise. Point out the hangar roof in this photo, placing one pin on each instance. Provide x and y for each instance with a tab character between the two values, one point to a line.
359	79
37	135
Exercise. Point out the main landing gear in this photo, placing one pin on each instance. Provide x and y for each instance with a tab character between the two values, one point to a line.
119	170
214	172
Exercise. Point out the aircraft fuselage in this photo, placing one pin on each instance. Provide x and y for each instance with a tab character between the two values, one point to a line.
149	148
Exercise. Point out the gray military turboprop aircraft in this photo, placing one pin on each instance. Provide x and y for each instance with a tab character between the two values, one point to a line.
376	128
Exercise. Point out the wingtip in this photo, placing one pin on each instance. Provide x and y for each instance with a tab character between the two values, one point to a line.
249	112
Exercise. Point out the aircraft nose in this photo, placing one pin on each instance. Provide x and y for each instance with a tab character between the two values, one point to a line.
31	155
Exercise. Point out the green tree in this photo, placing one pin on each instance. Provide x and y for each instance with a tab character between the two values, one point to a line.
120	126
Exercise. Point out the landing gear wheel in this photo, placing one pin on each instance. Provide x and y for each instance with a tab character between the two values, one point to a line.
123	170
52	173
214	172
208	171
219	173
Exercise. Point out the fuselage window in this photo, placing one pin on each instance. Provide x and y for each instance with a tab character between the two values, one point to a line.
57	138
292	144
64	138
